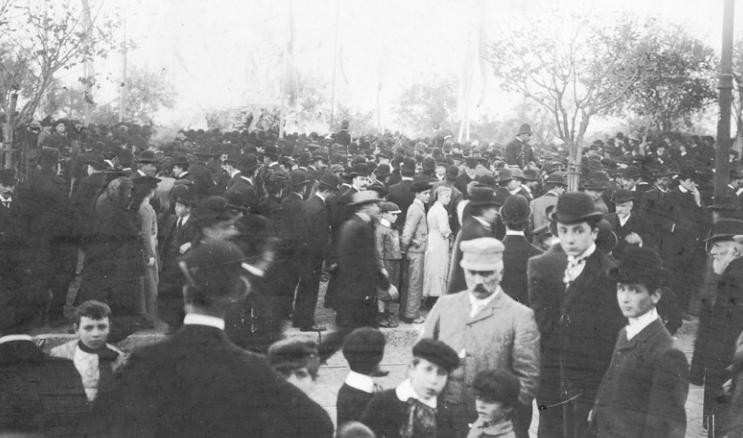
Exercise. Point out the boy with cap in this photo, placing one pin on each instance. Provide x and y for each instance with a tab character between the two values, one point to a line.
488	329
496	395
644	390
389	255
297	361
414	408
413	244
363	349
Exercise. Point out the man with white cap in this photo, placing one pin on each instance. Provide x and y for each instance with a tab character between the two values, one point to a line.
487	328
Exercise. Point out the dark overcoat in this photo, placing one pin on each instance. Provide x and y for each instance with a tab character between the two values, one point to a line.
197	383
516	254
644	390
402	195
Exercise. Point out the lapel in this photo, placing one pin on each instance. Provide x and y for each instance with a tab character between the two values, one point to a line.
648	332
498	302
583	284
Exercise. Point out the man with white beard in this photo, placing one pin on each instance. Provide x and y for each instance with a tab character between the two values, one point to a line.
720	322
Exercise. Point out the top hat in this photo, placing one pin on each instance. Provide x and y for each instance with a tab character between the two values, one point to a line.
482	196
364	197
726	229
481	254
575	207
524	129
638	265
438	353
515	210
623	195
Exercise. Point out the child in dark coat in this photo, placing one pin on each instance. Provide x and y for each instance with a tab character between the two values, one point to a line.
413	410
363	349
496	394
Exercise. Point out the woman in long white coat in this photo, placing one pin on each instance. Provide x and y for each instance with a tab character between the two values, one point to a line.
437	250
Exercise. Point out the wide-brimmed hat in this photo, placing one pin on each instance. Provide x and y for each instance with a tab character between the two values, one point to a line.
638	265
525	129
726	229
481	254
364	197
515	210
623	195
575	207
483	196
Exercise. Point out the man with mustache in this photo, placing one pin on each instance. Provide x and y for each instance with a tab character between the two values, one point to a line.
488	329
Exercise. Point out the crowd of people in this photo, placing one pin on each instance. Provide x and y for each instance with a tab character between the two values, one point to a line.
525	291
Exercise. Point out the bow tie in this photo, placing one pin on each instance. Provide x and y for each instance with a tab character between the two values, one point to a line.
573	270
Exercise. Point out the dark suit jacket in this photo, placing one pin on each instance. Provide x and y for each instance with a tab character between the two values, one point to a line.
635	224
644	390
471	229
246	191
386	414
197	383
317	228
293	226
351	403
39	393
403	196
516	254
518	153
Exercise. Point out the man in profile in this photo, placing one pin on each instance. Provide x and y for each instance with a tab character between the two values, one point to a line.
197	383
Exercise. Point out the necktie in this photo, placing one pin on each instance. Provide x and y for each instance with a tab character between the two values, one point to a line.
573	270
180	223
421	420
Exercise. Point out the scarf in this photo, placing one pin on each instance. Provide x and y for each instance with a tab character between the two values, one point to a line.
421	420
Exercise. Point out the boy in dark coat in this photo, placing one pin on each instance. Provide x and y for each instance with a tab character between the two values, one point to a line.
645	388
363	349
413	409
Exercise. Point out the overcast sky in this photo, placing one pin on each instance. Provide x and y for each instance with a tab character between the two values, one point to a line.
224	53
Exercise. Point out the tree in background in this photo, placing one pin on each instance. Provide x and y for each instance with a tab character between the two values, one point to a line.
40	38
147	93
676	78
423	109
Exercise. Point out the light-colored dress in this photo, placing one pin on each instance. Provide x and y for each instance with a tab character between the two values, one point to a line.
151	276
437	251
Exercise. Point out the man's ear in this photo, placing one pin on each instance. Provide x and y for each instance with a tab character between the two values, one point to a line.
656	295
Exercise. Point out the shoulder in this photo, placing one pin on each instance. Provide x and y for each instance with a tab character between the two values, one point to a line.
66	350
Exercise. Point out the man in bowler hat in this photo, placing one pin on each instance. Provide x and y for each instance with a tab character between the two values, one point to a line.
197	383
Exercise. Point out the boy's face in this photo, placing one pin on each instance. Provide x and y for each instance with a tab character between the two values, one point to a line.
427	378
389	217
182	210
93	332
635	299
425	196
302	379
624	208
490	411
576	238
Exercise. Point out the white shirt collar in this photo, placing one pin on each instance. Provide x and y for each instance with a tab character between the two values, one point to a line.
384	222
360	382
233	173
683	189
199	319
15	338
246	178
623	220
406	178
320	196
636	325
739	191
477	304
514	232
405	391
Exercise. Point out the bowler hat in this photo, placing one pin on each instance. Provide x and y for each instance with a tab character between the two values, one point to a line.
638	265
726	229
180	160
329	180
517	173
524	129
531	175
358	170
505	175
147	157
364	197
482	196
421	183
145	181
383	171
597	180
248	164
623	195
575	207
515	210
215	209
481	254
556	178
213	268
96	160
182	193
298	177
437	352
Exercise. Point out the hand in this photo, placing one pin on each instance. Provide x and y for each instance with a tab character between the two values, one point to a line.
633	239
185	247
